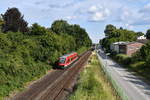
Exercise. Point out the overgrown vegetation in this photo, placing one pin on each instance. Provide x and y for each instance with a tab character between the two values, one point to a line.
113	34
140	61
28	52
92	84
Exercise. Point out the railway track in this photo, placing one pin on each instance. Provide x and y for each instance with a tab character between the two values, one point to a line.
56	85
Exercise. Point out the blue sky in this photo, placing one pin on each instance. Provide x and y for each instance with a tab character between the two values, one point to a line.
93	15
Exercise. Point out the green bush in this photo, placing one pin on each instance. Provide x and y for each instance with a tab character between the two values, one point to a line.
26	56
123	59
138	65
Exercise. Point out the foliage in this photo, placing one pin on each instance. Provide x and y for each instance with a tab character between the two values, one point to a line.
13	21
60	26
80	34
148	34
24	56
140	33
112	34
123	59
1	23
143	54
139	62
138	65
37	30
93	84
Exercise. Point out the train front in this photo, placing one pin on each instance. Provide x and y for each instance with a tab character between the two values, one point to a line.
62	61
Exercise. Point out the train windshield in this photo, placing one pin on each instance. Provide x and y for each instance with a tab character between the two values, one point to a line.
62	60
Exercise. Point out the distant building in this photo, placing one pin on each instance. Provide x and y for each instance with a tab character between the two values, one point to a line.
144	41
115	46
141	37
127	48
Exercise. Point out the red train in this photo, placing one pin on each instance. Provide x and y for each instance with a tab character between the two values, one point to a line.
67	59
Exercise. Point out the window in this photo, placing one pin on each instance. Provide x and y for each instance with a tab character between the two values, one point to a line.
62	60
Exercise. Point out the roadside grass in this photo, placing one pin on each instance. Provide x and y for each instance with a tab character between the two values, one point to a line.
137	68
93	84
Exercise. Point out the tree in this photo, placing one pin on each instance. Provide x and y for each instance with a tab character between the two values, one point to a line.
121	28
114	34
144	54
139	33
13	21
148	34
1	23
109	30
36	29
60	26
80	35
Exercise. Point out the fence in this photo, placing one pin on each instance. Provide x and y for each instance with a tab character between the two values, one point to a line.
117	87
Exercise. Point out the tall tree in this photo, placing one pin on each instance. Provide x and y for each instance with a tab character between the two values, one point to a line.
109	30
13	21
1	23
140	33
114	34
148	34
36	29
60	26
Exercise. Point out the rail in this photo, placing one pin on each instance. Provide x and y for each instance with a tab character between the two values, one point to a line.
56	85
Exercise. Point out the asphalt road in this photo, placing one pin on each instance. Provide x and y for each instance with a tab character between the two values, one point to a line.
132	85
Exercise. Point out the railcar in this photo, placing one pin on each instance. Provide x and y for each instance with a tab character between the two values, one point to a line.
66	60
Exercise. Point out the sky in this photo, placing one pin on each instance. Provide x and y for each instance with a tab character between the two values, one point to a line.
93	15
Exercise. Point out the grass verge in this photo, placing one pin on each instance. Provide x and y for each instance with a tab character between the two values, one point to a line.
93	84
137	68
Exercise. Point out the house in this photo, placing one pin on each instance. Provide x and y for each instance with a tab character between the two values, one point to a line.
141	37
115	46
127	48
130	48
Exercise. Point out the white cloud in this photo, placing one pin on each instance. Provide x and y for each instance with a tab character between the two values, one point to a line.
146	8
98	13
145	11
135	18
126	15
123	12
71	17
98	16
94	8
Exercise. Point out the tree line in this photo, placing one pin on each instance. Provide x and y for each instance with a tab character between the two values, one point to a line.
113	34
140	61
27	52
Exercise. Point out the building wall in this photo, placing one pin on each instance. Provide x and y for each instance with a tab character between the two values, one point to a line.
132	48
127	48
114	47
117	48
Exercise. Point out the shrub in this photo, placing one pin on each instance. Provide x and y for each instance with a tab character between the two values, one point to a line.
123	59
138	65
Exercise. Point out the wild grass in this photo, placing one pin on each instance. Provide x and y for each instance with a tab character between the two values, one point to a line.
139	67
92	84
